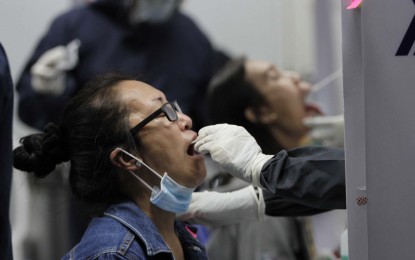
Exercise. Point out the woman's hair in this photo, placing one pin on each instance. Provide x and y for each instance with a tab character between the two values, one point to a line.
94	123
229	94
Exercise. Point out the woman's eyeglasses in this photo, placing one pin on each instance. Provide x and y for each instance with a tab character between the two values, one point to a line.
170	109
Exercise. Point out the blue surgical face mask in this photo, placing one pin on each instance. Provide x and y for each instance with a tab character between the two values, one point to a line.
171	196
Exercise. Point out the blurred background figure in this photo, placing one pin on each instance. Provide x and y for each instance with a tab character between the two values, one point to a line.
150	38
6	117
271	104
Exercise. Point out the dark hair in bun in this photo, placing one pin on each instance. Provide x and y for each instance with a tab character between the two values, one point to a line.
40	153
94	123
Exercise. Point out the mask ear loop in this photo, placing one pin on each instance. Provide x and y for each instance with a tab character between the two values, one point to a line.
139	163
142	181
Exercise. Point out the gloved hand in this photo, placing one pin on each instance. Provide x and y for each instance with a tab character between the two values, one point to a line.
234	149
217	209
326	130
49	72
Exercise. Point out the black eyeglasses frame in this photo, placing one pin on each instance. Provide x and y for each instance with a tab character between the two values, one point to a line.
163	109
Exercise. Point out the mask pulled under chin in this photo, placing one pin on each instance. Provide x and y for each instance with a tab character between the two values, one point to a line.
171	196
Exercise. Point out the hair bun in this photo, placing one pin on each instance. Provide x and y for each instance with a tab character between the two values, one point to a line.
53	144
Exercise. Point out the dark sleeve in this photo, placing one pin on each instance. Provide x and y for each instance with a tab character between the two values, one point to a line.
6	116
313	176
277	206
36	109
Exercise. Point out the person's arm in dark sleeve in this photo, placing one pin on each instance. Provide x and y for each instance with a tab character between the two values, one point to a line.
277	206
313	176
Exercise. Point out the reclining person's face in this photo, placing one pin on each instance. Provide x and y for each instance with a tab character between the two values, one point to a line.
284	93
165	146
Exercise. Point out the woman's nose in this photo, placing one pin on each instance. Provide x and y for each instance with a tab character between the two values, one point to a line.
294	76
304	86
184	121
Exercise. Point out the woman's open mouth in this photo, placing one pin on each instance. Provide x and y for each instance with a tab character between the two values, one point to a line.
191	150
312	110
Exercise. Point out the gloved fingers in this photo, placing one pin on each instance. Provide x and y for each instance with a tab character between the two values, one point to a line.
210	136
222	131
217	134
46	66
205	144
210	130
202	149
217	153
73	46
52	56
71	56
221	150
43	71
49	86
60	57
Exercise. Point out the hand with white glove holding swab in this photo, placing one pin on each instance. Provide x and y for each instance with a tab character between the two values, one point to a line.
292	174
243	159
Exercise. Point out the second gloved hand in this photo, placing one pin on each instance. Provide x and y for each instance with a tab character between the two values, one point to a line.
225	208
234	149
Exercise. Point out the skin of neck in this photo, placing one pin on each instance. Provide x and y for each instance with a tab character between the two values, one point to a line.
288	140
141	194
162	219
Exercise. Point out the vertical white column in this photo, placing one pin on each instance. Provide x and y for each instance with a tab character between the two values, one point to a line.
379	93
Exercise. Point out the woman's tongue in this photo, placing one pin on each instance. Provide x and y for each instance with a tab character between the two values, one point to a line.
312	110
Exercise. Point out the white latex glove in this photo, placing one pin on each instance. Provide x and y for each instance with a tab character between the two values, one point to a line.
217	209
49	72
234	149
326	130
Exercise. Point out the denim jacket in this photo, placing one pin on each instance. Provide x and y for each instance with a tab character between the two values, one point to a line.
125	232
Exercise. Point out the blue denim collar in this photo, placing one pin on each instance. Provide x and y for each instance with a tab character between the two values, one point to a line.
131	216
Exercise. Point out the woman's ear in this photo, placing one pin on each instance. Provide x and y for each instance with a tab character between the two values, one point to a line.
123	161
264	116
250	115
